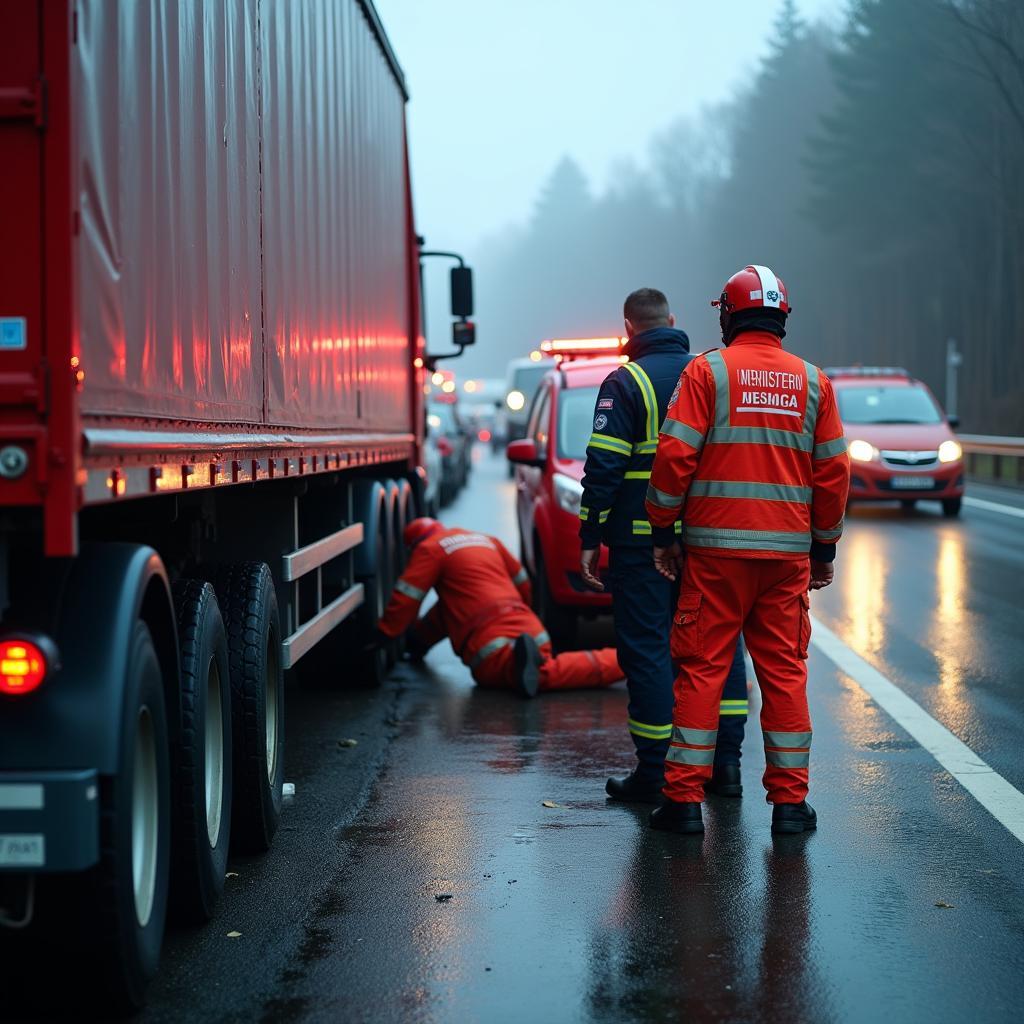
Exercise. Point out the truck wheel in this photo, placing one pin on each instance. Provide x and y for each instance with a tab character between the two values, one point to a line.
249	602
375	662
127	899
560	622
201	764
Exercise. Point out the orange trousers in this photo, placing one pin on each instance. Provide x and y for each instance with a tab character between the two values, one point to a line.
766	599
570	670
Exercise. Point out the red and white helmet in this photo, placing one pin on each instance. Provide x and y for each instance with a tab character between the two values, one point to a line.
420	529
753	287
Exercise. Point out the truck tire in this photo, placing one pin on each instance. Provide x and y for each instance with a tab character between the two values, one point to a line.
201	756
374	662
126	893
249	604
559	622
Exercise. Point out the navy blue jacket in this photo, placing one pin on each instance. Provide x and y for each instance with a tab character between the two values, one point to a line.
631	406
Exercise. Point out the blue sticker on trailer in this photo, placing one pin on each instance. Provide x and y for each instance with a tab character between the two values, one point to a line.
13	333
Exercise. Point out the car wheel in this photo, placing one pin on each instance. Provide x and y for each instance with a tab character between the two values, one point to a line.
951	507
559	621
908	505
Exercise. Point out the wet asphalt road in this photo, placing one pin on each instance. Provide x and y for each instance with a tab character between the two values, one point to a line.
907	904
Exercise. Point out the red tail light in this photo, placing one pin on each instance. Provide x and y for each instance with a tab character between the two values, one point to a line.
484	435
22	666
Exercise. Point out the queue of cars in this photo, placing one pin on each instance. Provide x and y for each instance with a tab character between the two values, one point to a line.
901	447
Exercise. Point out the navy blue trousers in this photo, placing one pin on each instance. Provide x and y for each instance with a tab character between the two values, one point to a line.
643	602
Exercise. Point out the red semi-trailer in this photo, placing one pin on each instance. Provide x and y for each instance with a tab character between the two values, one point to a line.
210	420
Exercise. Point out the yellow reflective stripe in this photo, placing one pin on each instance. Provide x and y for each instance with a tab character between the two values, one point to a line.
645	447
679	526
584	512
733	707
648	395
641	527
638	474
609	444
651	732
602	517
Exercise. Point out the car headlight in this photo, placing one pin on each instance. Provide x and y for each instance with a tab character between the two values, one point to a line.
950	451
568	493
515	400
861	451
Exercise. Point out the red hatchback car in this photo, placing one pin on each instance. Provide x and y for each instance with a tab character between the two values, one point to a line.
548	470
901	443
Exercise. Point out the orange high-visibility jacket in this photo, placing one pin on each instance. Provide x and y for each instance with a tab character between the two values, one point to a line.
751	455
479	584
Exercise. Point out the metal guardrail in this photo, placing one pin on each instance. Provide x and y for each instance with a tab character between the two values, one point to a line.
994	459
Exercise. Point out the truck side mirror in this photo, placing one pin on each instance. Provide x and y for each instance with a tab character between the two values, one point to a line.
463	332
462	293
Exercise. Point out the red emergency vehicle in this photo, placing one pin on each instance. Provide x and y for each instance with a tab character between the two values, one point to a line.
211	415
900	441
548	473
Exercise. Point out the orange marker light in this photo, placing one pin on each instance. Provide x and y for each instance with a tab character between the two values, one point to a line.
22	666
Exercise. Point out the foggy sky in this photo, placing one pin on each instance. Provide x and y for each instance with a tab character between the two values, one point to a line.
501	91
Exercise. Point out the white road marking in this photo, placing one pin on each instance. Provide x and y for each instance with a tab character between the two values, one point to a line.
994	506
987	786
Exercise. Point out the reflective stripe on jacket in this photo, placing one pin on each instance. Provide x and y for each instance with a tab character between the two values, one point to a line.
630	407
751	455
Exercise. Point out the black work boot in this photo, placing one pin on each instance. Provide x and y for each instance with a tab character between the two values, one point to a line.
528	660
725	781
635	789
792	818
672	816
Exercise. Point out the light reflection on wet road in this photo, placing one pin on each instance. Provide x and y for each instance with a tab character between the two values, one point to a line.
578	912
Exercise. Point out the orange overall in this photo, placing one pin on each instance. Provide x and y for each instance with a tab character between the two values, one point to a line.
483	606
753	459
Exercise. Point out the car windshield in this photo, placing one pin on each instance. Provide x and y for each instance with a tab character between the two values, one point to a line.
575	422
887	405
527	379
443	418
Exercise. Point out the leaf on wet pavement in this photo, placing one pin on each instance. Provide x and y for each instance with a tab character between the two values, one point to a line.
943	905
231	874
348	743
234	935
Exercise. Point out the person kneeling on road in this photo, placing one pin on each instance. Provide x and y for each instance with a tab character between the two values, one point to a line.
483	607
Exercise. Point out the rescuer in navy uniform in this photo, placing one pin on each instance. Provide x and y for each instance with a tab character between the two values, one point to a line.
631	406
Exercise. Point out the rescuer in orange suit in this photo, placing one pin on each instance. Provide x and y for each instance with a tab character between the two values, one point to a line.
483	607
752	458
